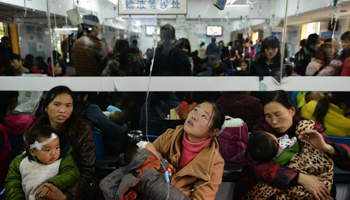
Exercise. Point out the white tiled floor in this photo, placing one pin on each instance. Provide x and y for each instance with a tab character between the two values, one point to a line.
226	191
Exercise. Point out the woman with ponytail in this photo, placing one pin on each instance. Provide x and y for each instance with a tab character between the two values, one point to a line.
322	64
331	110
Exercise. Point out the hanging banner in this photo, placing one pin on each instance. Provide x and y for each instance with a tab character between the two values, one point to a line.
150	7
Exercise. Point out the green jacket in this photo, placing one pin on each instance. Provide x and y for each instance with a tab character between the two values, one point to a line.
68	175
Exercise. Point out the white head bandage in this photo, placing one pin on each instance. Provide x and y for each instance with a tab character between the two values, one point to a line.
38	145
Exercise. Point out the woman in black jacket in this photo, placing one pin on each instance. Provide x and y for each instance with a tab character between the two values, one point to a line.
268	61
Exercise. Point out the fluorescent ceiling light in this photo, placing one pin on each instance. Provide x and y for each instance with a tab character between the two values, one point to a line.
230	2
115	2
238	6
66	29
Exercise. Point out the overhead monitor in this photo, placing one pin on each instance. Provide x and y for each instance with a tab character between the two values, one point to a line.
214	30
150	30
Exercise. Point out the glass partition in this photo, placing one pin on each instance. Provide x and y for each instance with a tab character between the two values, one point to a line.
118	37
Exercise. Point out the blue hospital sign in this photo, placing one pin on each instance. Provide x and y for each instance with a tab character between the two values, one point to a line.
144	7
219	4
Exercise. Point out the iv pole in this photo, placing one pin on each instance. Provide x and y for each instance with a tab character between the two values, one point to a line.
51	39
283	44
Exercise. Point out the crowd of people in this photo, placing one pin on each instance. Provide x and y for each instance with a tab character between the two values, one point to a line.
51	154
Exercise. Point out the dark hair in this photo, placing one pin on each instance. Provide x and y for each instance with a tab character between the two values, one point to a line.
218	115
213	39
288	69
303	43
40	131
202	44
129	152
279	96
270	42
311	95
122	46
184	43
219	68
4	38
15	56
54	92
325	54
56	55
134	42
345	36
148	50
167	32
63	66
239	73
323	104
29	61
328	40
261	146
313	39
39	59
6	101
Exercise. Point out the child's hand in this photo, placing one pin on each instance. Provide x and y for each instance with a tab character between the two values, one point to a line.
43	191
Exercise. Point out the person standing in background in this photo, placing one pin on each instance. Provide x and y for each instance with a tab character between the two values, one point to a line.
89	53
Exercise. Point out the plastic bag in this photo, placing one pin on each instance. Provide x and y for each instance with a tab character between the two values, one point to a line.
233	138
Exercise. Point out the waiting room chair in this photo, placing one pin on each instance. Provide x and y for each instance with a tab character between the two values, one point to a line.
343	140
98	141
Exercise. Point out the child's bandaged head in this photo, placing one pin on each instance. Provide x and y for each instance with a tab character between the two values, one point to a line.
39	145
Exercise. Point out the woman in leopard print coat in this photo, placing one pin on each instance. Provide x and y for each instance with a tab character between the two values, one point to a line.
281	118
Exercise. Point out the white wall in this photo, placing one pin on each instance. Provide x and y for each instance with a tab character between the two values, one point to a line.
30	39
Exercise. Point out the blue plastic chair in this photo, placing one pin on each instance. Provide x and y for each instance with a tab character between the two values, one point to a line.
100	149
343	140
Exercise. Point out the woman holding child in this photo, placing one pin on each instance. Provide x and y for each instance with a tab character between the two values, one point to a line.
280	119
59	114
193	150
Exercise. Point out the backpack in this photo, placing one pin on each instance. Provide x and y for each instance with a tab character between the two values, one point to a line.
233	138
302	60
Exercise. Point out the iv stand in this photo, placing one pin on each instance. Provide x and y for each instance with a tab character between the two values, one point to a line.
283	43
51	39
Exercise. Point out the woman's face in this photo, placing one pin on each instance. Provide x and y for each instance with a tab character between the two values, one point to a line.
271	53
59	110
58	69
279	117
198	123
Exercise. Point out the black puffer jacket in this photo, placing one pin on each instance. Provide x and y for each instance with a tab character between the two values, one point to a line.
261	68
